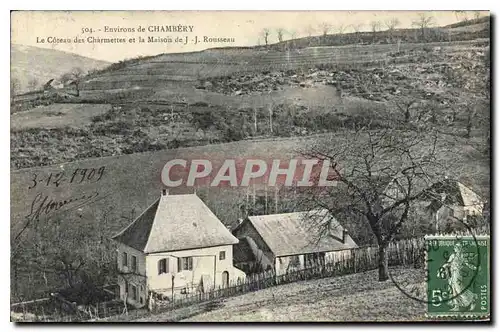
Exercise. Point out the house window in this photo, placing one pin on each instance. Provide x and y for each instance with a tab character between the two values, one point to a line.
133	264
185	263
124	259
134	292
222	255
163	266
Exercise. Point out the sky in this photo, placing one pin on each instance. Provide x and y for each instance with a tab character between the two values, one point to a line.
31	27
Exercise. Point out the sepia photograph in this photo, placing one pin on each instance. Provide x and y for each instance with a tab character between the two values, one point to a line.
250	166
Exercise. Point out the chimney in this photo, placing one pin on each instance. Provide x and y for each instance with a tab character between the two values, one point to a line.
344	235
164	192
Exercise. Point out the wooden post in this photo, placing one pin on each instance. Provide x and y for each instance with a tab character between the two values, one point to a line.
271	119
354	259
255	120
276	199
265	204
173	280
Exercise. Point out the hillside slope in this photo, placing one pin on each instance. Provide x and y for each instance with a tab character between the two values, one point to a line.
28	63
355	298
461	31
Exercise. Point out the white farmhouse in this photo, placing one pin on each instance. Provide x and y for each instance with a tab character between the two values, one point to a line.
176	246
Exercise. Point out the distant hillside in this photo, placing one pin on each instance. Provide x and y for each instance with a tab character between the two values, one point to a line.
30	63
168	70
484	19
461	31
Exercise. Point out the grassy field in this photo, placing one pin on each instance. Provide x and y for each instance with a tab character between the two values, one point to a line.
356	298
57	116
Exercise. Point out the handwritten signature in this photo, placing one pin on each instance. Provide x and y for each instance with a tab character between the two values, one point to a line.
43	205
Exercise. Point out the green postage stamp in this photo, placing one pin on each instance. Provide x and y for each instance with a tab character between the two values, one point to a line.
458	276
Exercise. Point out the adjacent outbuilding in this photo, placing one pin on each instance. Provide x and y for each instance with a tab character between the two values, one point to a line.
292	241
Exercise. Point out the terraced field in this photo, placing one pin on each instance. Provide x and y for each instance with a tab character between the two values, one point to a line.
190	67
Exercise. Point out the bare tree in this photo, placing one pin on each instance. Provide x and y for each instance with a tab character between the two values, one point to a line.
265	34
325	28
477	15
341	28
461	15
380	175
423	22
73	77
392	23
309	30
280	32
375	26
357	27
293	37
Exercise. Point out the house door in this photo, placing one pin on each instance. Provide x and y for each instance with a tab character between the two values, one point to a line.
225	279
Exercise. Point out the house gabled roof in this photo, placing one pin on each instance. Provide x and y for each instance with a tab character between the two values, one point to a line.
175	222
453	193
300	233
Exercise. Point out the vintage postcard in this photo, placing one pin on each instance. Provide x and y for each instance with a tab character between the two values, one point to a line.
258	166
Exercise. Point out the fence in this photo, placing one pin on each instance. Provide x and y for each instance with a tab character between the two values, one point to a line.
404	252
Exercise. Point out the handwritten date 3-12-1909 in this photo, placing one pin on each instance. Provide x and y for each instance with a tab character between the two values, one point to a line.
78	176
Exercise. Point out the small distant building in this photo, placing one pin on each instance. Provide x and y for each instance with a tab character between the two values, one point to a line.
72	87
291	241
452	199
176	246
48	86
443	202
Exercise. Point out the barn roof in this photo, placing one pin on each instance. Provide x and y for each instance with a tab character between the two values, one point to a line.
301	232
175	222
